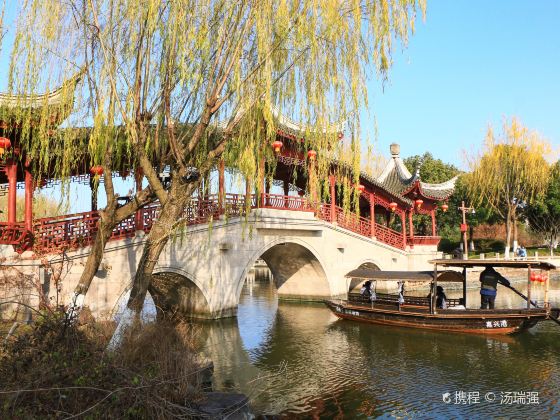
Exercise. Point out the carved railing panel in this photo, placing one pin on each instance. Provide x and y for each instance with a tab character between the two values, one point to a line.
78	230
423	240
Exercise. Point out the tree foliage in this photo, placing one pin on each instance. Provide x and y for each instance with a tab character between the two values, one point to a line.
181	83
543	215
511	170
435	171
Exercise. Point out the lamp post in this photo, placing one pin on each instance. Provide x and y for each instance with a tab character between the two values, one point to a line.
464	210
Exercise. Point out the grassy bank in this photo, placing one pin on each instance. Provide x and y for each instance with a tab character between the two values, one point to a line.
54	370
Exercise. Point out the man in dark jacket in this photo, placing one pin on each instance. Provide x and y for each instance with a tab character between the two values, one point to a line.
489	279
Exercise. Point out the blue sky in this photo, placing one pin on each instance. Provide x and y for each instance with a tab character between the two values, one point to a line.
470	64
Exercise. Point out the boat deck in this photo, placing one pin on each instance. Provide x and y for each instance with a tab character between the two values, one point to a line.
423	310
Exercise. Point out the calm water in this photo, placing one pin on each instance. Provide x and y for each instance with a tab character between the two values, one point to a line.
299	360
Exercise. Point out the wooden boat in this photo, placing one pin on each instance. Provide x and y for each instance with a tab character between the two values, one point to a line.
421	312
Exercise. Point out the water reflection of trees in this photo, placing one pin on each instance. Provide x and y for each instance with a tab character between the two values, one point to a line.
335	367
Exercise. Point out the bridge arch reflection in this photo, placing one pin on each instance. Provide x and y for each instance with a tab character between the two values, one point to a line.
175	290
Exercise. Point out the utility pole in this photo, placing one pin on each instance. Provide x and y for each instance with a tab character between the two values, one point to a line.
464	210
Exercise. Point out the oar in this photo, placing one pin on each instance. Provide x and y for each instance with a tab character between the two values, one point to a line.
513	289
554	319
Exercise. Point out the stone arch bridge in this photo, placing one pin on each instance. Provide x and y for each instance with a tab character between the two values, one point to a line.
202	270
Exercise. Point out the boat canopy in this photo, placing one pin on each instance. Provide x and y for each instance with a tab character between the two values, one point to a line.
543	265
373	274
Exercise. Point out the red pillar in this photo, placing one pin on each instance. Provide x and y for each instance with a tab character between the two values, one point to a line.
332	181
29	187
411	228
403	222
221	181
372	213
11	172
433	214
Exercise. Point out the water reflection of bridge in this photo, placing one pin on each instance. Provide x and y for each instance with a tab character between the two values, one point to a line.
334	366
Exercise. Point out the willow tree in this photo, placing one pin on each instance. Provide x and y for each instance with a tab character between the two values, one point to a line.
543	215
186	82
511	172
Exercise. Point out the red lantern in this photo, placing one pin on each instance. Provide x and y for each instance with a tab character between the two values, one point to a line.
96	170
277	145
444	207
4	144
393	206
340	135
361	188
418	203
311	155
537	277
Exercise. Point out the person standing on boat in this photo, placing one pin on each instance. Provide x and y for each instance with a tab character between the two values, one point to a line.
441	299
489	279
366	289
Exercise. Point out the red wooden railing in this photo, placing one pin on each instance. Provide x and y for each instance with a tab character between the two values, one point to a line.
389	236
423	240
15	234
77	230
288	202
361	225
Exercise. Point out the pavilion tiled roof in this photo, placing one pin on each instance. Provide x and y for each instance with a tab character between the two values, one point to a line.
397	179
364	176
58	101
289	126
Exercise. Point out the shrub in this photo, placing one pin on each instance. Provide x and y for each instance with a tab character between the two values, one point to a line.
59	370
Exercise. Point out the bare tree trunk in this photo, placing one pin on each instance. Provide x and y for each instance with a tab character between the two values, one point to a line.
514	226
111	216
157	239
94	258
162	229
508	234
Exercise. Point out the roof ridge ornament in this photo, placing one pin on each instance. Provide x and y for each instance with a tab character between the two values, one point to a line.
418	166
395	149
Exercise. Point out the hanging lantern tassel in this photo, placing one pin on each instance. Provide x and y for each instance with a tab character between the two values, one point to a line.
5	144
96	170
311	155
277	145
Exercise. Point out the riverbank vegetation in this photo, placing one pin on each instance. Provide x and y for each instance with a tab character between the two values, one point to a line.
513	187
62	370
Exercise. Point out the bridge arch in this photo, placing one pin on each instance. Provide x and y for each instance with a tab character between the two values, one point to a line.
176	290
297	268
355	283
